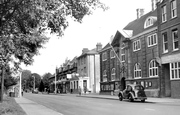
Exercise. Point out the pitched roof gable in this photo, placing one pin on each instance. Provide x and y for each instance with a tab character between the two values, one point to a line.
138	25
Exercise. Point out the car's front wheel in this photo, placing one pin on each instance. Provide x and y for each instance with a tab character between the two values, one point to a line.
120	97
131	98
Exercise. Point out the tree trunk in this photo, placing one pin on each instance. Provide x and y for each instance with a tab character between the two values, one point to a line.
2	85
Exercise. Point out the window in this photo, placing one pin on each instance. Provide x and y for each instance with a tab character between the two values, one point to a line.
148	22
165	42
104	56
173	9
85	71
164	15
104	76
175	39
123	53
153	69
113	74
136	45
84	60
137	70
152	40
175	70
112	55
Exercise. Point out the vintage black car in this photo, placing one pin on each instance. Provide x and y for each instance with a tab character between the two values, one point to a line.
133	92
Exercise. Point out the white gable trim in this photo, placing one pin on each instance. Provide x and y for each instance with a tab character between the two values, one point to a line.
145	32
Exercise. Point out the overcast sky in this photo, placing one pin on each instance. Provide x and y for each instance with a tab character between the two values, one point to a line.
95	28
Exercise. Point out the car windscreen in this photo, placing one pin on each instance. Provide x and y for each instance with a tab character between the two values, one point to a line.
139	88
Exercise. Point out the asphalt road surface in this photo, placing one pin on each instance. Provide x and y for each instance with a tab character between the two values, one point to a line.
72	105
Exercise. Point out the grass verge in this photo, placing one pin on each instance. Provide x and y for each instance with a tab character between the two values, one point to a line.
10	107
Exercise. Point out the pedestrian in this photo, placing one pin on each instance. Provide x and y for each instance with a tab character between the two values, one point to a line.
22	92
79	89
85	89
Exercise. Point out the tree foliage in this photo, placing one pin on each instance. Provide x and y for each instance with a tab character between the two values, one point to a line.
25	76
41	86
46	80
23	23
9	81
37	79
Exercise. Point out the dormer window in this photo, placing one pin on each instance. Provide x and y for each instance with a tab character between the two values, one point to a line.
149	21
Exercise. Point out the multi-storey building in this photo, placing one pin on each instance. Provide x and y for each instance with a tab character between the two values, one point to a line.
112	62
169	45
88	65
144	51
73	76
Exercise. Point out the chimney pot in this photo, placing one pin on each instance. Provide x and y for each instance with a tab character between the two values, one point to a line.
98	46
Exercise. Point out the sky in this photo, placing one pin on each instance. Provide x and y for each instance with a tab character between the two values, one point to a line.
96	28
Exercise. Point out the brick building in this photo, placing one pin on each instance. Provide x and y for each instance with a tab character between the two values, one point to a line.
169	45
144	51
112	60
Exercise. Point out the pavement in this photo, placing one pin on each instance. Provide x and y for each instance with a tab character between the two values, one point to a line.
33	108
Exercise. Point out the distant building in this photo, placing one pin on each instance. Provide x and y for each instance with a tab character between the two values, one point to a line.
88	65
169	47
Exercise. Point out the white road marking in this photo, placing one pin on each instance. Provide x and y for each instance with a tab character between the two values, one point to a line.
149	109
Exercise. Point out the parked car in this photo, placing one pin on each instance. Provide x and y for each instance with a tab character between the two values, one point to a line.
35	91
133	92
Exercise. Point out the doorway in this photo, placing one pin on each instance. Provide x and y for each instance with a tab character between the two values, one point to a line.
123	83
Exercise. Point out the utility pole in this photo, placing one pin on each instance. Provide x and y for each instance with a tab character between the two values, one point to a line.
20	86
55	80
2	84
34	82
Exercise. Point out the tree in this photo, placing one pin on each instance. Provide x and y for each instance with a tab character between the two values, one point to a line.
37	79
10	81
24	22
41	86
25	76
46	80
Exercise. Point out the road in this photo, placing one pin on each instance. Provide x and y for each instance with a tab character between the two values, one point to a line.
72	105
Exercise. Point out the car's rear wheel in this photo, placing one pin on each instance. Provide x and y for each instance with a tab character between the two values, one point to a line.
120	97
143	100
131	98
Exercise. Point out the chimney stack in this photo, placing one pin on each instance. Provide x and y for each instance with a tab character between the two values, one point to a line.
140	12
85	50
98	46
154	4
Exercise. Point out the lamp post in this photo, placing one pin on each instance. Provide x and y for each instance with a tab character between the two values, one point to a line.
34	82
55	80
20	85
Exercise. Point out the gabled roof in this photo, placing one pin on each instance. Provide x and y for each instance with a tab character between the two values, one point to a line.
93	51
137	26
105	48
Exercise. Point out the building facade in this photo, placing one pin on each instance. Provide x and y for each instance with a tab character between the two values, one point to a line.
169	45
112	62
144	51
88	65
